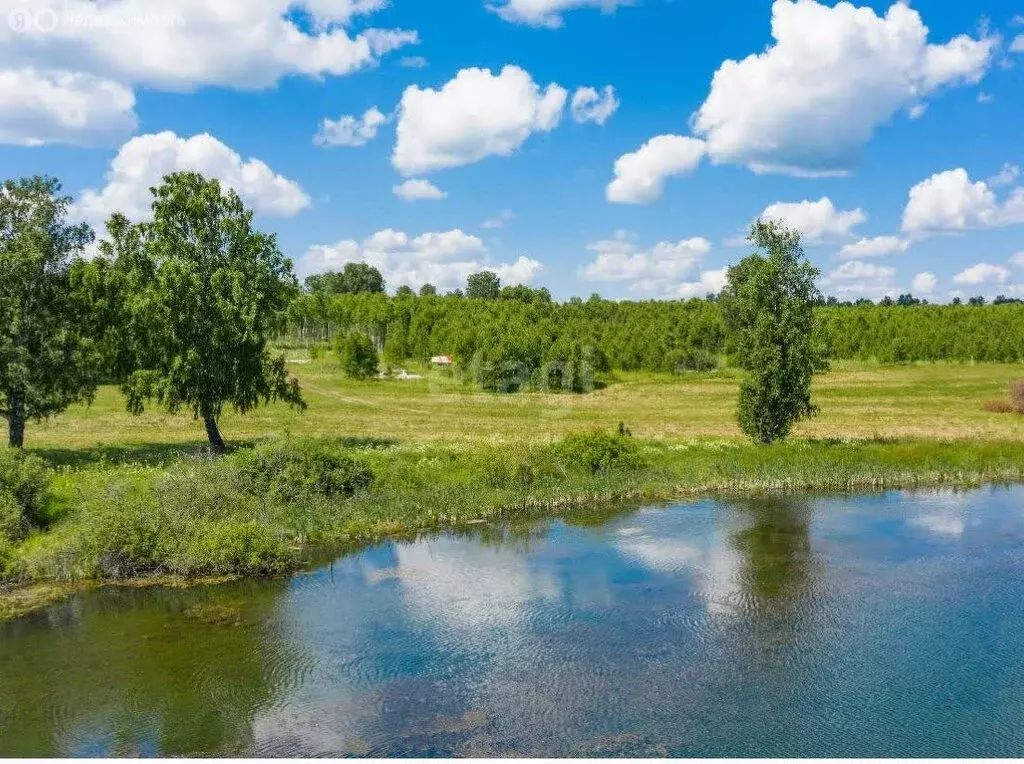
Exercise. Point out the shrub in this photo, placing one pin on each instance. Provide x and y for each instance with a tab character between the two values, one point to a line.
25	478
289	470
598	453
999	406
692	359
13	524
1017	395
233	547
316	352
357	355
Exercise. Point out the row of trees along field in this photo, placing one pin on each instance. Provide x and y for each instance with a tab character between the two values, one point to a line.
518	323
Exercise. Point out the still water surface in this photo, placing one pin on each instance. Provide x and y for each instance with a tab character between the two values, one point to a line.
870	625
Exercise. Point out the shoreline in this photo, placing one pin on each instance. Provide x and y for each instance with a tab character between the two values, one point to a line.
738	472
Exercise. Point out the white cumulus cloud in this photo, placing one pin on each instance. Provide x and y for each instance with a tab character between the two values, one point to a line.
924	283
817	221
588	105
143	161
876	246
950	201
856	279
192	43
475	115
350	130
983	273
658	269
640	176
809	103
710	282
39	107
548	13
444	259
416	189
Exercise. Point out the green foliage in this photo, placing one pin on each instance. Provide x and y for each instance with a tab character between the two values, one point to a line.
428	289
13	525
357	355
354	278
290	470
193	298
25	478
47	359
189	522
598	453
484	285
768	306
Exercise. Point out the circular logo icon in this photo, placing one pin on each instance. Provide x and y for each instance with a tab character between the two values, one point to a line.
46	20
20	19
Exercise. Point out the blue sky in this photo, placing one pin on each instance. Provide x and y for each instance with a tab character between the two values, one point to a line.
832	115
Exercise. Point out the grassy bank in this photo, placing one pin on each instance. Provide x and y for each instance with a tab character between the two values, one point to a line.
253	512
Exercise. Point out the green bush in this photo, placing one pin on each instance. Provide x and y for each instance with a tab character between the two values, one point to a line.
6	558
25	478
357	355
192	522
286	471
598	453
233	547
13	524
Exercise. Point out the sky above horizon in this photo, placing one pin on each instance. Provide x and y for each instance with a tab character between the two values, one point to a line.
613	146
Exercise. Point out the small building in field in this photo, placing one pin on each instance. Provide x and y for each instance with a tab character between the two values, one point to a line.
441	360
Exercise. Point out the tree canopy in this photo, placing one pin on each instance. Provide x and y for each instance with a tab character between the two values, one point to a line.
47	359
354	278
768	307
201	293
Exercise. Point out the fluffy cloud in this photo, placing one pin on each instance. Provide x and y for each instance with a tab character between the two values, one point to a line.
983	273
1017	46
877	246
710	282
350	130
418	189
807	104
475	115
548	13
816	221
41	107
590	106
1007	174
949	201
658	269
443	259
246	43
143	161
858	279
924	283
640	176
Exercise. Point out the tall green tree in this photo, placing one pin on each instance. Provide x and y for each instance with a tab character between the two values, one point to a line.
200	294
484	285
354	278
47	360
768	307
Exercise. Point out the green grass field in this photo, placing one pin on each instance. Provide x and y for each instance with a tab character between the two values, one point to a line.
857	401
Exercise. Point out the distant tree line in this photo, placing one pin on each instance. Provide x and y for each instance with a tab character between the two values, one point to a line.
517	324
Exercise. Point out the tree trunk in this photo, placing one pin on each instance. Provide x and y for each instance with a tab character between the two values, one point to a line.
16	422
216	441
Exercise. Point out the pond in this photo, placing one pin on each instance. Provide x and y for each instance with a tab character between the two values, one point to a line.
869	625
